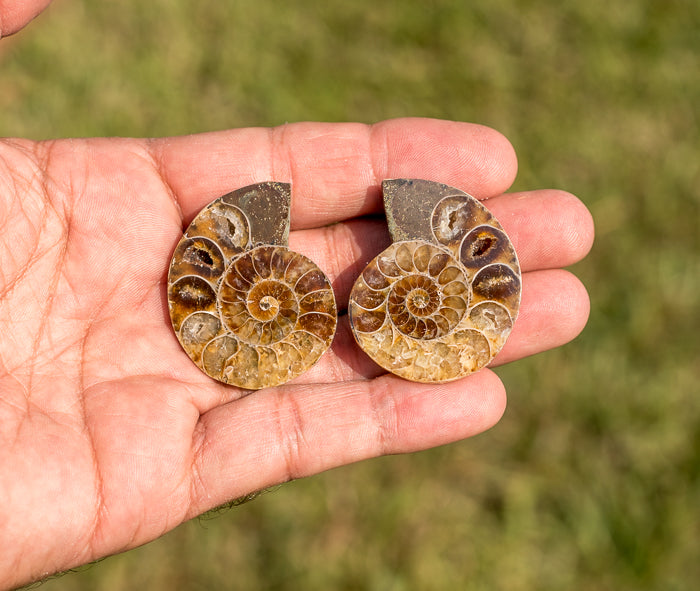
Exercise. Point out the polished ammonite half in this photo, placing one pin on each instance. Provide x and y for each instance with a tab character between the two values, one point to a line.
439	303
246	309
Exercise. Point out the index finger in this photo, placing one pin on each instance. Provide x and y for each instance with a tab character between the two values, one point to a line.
336	169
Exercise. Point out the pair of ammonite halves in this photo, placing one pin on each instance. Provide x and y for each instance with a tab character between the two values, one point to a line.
435	306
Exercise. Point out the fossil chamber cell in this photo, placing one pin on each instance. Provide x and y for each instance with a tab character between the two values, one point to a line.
440	302
247	310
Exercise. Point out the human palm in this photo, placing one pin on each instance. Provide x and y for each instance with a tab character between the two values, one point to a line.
109	434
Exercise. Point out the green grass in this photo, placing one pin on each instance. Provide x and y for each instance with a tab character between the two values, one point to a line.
592	479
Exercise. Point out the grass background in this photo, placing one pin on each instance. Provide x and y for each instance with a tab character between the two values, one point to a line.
592	479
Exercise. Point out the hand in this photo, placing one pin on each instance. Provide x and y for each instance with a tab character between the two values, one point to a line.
109	434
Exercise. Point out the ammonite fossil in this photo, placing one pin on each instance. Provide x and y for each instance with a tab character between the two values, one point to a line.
439	303
246	309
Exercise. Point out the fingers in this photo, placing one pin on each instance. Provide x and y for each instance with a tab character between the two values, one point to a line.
549	229
296	431
553	311
335	168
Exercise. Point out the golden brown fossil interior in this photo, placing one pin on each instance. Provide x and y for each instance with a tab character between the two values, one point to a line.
436	309
251	315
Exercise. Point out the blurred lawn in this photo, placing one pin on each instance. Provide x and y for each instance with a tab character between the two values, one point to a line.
592	479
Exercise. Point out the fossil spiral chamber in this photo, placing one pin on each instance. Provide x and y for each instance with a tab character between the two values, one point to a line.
440	302
247	310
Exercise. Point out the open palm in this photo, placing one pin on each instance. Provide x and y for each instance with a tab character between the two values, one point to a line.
109	434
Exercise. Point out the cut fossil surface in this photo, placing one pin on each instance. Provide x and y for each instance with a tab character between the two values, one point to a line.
246	309
440	302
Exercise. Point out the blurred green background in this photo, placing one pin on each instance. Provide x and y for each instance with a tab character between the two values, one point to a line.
592	478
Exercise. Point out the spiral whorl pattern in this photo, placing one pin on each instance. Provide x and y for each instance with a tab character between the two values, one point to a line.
419	288
440	307
248	316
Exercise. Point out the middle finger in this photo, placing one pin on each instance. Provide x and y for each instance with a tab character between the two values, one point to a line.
548	229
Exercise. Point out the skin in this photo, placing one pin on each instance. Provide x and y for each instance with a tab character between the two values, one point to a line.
109	435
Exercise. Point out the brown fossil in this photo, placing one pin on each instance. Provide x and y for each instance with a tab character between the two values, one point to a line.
439	303
246	309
